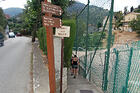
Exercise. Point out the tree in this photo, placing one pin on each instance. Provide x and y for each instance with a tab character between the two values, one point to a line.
132	9
138	6
99	25
135	24
125	10
32	16
118	17
3	20
62	3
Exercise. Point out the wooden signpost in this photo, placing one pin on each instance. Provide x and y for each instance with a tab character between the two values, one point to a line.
50	8
49	22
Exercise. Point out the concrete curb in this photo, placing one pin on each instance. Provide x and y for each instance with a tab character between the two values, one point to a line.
40	72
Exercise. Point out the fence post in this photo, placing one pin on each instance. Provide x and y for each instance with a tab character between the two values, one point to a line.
124	90
90	68
108	46
116	70
76	34
87	38
103	81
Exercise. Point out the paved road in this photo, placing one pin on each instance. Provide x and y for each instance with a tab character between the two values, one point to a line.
15	60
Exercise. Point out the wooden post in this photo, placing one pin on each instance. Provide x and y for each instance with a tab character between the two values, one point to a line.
50	51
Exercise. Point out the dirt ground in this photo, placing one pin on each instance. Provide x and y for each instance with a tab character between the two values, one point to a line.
123	37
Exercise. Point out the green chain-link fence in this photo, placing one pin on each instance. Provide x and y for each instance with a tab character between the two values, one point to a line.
94	29
94	32
124	69
114	70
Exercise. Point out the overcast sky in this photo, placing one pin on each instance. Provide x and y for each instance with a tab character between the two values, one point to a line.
12	3
119	4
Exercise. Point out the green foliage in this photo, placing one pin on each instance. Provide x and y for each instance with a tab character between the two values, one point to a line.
32	17
135	24
94	39
16	25
132	9
62	3
69	42
3	20
118	17
125	10
81	31
41	34
97	14
137	9
99	25
1	29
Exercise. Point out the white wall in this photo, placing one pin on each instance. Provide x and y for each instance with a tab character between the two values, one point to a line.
57	55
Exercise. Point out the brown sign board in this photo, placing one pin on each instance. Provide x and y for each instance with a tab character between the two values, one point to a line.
51	22
47	7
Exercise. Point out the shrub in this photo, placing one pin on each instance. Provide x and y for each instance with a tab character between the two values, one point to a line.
41	34
69	42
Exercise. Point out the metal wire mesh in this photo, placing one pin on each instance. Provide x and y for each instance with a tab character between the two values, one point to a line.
119	75
134	78
124	67
117	80
92	33
98	12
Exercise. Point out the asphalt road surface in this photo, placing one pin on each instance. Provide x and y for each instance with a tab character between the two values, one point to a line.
15	59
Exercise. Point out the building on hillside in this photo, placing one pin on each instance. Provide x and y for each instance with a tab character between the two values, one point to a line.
128	18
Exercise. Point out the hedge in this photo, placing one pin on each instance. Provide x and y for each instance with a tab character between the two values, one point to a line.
69	42
41	34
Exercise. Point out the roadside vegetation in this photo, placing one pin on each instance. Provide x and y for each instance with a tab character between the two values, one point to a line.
3	21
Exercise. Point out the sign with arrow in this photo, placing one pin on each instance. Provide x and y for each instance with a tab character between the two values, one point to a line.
51	22
47	7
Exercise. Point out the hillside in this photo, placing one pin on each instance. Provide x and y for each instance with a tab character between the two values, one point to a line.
97	14
13	11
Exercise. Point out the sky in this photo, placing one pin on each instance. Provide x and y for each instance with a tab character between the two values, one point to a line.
119	4
12	3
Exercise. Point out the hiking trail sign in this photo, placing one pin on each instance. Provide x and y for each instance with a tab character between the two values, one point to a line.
52	9
51	22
